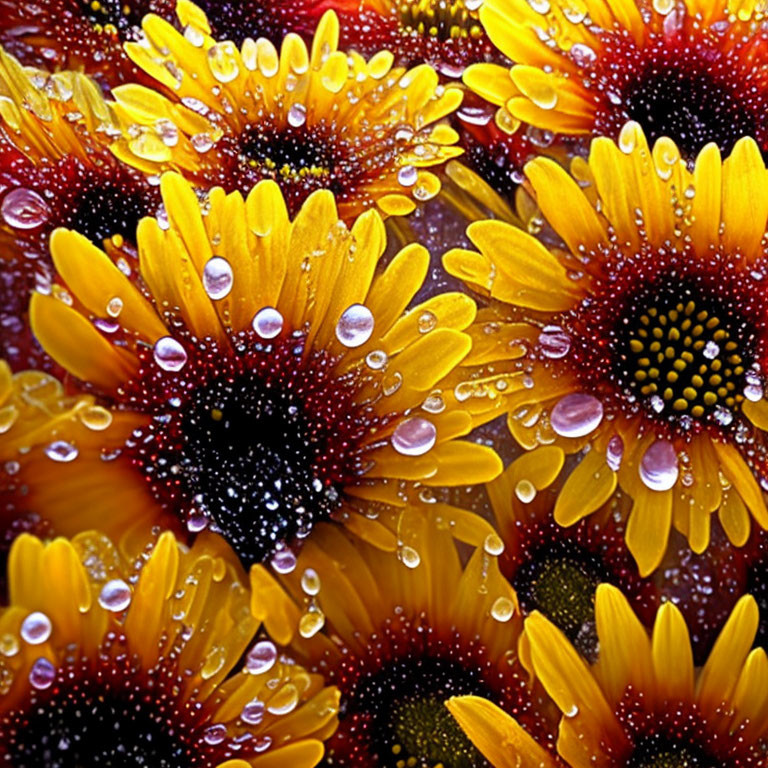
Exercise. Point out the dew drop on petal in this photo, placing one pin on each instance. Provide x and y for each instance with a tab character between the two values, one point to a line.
24	209
36	628
502	609
115	596
407	175
576	415
253	712
268	323
95	417
222	60
310	581
525	490
169	354
414	436
261	658
297	115
284	561
42	674
215	734
114	306
61	451
284	700
614	452
311	623
554	342
409	556
355	326
659	466
217	278
493	544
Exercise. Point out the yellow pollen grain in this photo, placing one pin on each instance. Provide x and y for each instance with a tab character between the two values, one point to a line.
710	398
635	345
697	410
697	381
217	414
689	307
715	379
679	365
680	404
690	393
674	334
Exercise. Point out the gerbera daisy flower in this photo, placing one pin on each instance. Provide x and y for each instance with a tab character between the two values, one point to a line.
106	661
557	570
694	72
398	638
56	170
47	436
642	342
308	120
643	703
266	365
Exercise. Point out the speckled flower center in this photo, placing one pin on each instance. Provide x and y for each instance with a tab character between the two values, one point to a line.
411	725
121	14
677	757
104	211
441	19
683	355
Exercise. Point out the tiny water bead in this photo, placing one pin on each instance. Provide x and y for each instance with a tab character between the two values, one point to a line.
261	442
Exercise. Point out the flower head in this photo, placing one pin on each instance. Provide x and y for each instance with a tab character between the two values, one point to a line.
106	660
643	341
266	365
692	71
643	703
309	120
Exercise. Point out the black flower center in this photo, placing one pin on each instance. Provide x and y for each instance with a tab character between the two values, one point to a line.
103	211
439	19
560	581
121	14
411	726
682	353
655	753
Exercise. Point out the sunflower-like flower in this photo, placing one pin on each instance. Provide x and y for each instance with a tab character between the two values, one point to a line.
269	372
643	342
557	570
643	703
693	71
106	661
47	435
399	638
309	120
56	170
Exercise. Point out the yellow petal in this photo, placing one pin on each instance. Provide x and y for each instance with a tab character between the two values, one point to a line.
648	528
587	488
672	655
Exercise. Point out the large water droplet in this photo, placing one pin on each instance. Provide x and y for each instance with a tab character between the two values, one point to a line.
95	417
169	354
525	490
576	415
115	596
284	700
60	450
268	323
414	437
24	209
311	623
407	176
222	60
36	628
261	658
502	609
659	466
215	734
554	342
42	674
310	581
355	326
217	277
297	115
253	712
409	557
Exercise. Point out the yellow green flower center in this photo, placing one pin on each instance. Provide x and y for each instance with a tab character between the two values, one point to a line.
671	758
443	19
685	358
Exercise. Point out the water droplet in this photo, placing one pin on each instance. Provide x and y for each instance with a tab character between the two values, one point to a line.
9	645
659	466
355	326
414	436
377	359
427	322
95	417
576	415
434	403
115	596
24	209
554	342
202	142
114	306
525	490
59	450
36	628
8	416
217	277
493	544
311	623
253	712
409	557
169	354
261	658
572	711
268	323
310	581
614	452
222	60
297	115
753	391
215	734
582	55
711	350
284	561
502	609
42	674
408	175
284	701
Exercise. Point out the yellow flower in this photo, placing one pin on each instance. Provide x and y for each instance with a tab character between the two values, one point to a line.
691	71
105	660
53	448
398	637
309	120
642	342
643	703
270	374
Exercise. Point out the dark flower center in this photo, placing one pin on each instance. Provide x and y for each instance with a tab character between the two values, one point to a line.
237	19
261	443
661	755
124	15
439	19
683	353
104	211
560	580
